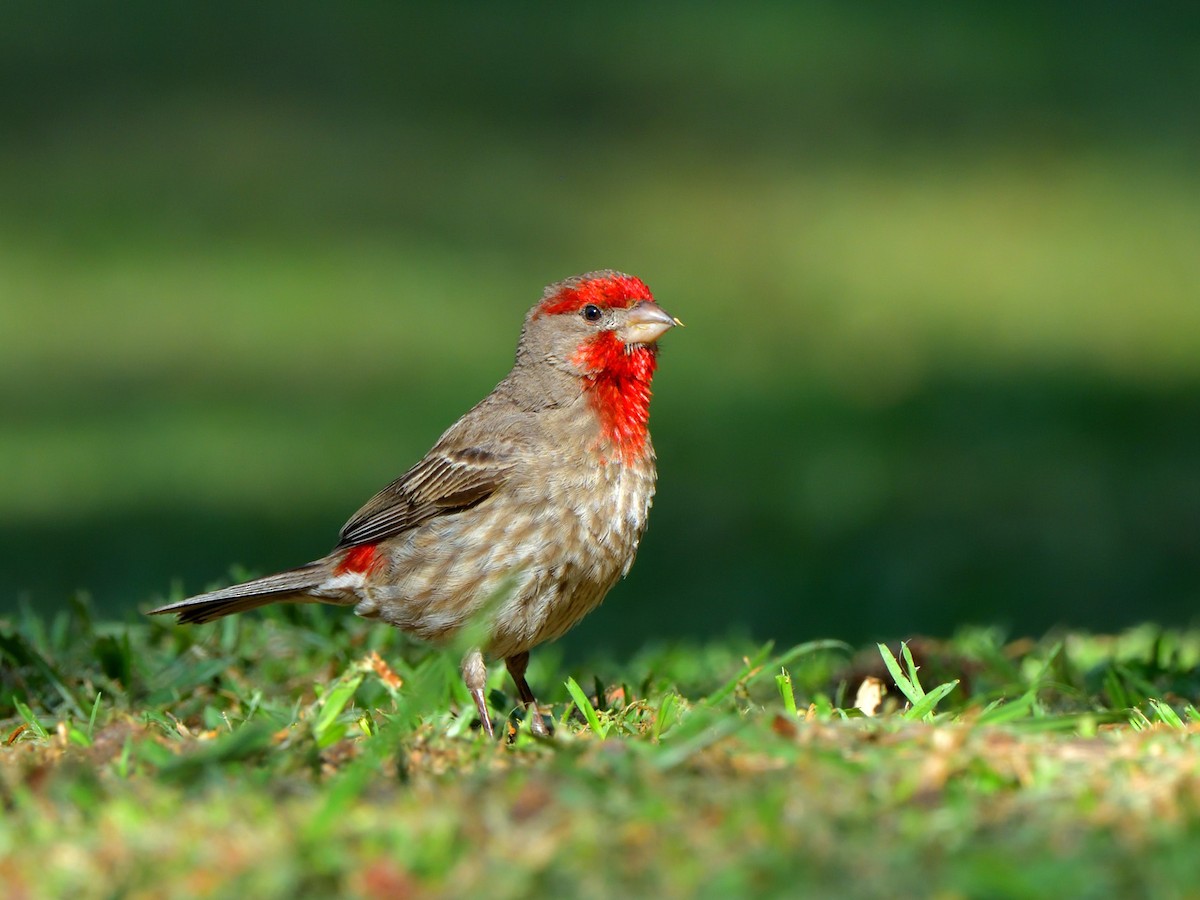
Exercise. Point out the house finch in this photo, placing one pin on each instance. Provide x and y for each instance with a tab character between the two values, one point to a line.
526	511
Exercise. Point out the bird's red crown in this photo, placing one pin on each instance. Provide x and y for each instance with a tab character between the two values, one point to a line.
606	291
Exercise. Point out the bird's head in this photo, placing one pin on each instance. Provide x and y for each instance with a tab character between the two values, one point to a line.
595	323
599	329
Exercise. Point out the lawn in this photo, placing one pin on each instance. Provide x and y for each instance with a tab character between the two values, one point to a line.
306	753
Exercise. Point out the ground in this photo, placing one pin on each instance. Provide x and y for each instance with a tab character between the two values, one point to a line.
302	753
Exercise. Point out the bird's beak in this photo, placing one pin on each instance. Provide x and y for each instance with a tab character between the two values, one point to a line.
645	323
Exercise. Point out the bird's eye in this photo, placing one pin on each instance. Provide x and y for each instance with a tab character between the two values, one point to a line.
592	313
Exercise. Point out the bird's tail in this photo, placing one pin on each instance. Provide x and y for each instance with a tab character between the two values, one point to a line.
293	586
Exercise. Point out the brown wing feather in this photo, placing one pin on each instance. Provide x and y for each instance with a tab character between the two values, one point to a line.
445	481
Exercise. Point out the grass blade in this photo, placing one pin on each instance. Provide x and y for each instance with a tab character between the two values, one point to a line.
668	709
923	709
585	706
758	664
747	671
677	753
911	670
1166	714
323	729
1000	712
30	719
784	682
910	688
91	729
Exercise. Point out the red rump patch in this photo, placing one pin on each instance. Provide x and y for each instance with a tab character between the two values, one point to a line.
357	559
606	291
619	389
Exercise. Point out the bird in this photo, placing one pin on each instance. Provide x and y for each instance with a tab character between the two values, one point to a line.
524	513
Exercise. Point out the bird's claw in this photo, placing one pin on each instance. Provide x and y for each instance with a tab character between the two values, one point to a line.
537	725
485	720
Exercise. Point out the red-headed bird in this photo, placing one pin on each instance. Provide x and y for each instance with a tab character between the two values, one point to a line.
536	499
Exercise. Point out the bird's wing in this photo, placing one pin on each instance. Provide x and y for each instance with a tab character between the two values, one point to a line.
449	479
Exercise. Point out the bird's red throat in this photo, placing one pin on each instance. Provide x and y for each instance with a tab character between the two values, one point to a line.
618	388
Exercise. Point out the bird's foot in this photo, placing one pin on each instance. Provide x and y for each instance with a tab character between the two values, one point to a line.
516	668
474	673
485	720
538	726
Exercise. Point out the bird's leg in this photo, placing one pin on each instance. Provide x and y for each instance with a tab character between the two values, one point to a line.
516	668
474	673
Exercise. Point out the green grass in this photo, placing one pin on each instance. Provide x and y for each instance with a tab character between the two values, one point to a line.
304	753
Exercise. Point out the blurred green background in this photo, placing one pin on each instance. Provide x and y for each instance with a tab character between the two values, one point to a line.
940	267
